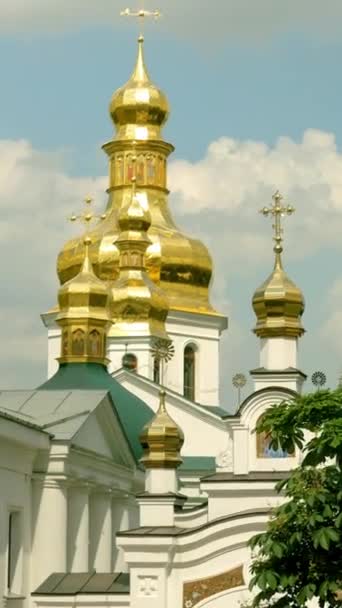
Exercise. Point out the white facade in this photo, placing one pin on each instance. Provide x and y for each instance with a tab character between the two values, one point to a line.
201	331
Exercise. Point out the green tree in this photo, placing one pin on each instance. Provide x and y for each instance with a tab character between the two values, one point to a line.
299	556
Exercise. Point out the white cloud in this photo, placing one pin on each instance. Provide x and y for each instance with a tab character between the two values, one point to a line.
236	178
247	20
216	199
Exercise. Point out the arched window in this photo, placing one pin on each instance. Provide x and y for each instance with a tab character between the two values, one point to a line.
189	372
264	449
94	343
130	362
78	342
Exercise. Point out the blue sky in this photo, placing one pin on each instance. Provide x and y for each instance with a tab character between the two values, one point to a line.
56	82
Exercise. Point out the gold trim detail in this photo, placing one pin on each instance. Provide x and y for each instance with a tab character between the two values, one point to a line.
195	592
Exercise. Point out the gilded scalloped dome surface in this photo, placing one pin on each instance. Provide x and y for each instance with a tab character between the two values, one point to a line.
180	264
278	304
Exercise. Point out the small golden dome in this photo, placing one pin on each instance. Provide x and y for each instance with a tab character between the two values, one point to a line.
85	293
162	440
278	304
84	316
139	109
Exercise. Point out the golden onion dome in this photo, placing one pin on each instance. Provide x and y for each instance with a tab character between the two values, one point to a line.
139	108
179	264
85	294
84	316
162	440
278	304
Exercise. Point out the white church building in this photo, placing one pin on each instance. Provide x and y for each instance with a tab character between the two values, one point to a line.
125	482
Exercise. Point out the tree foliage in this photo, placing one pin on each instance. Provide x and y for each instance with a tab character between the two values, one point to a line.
299	556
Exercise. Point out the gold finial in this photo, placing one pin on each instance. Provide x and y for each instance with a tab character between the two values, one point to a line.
141	14
87	216
277	211
162	440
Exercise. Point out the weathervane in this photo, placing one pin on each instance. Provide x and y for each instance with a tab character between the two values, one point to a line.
318	379
162	352
87	216
277	211
239	381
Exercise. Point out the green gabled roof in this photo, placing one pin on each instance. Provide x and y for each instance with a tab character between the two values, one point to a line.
133	413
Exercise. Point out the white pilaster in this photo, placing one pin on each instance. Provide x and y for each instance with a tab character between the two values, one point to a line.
100	526
78	529
121	521
240	448
49	526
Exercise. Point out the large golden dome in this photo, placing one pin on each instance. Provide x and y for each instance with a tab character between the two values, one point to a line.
181	265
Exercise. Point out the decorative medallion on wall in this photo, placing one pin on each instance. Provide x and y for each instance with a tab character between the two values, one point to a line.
197	591
148	586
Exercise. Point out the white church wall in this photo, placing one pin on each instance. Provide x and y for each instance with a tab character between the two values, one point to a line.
252	411
186	570
18	446
205	434
203	331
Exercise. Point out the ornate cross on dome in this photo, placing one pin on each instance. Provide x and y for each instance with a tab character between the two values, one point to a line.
87	216
141	14
277	211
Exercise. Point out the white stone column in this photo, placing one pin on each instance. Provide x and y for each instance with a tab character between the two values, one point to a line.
101	537
49	529
240	448
121	520
78	529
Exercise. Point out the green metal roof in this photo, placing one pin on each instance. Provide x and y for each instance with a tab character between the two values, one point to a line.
85	583
198	463
133	413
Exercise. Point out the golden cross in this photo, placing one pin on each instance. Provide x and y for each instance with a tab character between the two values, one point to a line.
87	216
277	211
141	14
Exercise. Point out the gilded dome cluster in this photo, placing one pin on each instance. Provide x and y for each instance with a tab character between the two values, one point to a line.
180	265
